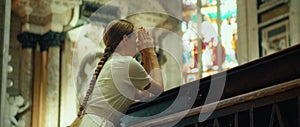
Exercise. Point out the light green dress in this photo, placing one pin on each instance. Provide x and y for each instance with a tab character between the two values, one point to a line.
90	120
114	91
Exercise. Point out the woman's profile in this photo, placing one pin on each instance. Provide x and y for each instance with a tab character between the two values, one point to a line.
119	80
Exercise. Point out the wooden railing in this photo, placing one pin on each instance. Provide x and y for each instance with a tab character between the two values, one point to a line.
264	92
276	92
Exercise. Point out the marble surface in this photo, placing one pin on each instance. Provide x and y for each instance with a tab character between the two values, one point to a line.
26	79
52	88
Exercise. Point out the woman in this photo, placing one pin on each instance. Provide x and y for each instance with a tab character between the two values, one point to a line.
122	80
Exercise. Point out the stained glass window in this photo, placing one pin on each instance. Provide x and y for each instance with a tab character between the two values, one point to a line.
190	39
217	30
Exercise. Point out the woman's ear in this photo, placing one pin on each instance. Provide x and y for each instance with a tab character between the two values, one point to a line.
124	40
125	37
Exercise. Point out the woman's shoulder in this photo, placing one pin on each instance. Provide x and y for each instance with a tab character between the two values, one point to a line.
125	60
135	65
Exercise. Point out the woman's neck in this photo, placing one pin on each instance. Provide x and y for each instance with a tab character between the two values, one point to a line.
124	53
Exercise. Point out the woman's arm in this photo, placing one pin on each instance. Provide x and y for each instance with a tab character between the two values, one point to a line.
150	64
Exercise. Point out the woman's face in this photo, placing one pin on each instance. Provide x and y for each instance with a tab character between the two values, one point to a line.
132	39
128	45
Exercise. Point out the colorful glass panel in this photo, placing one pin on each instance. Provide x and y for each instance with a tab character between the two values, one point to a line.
218	36
190	39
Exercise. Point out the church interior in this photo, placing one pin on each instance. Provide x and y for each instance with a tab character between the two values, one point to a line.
227	63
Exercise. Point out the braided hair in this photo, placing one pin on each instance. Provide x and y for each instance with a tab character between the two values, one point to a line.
113	35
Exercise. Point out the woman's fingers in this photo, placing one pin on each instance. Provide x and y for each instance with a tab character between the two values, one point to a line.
144	39
144	35
140	36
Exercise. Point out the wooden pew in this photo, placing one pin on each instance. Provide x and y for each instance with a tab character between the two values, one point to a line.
269	84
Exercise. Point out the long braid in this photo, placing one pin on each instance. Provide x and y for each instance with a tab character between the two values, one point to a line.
107	53
113	35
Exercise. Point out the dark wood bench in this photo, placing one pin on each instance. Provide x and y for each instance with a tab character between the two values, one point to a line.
263	92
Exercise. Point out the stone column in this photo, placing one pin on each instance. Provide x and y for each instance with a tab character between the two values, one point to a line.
294	22
68	97
248	45
252	31
242	45
28	41
65	15
40	17
53	41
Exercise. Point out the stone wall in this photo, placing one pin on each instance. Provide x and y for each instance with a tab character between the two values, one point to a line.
14	52
253	19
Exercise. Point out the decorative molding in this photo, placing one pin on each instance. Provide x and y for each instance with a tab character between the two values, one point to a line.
271	5
275	37
28	40
68	2
60	20
40	8
51	39
40	20
99	12
275	19
21	7
58	6
62	13
41	14
37	16
264	5
37	29
148	19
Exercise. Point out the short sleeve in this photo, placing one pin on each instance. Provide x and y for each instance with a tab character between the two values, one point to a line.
138	75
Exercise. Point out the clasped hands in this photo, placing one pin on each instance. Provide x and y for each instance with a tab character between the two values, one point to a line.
145	43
